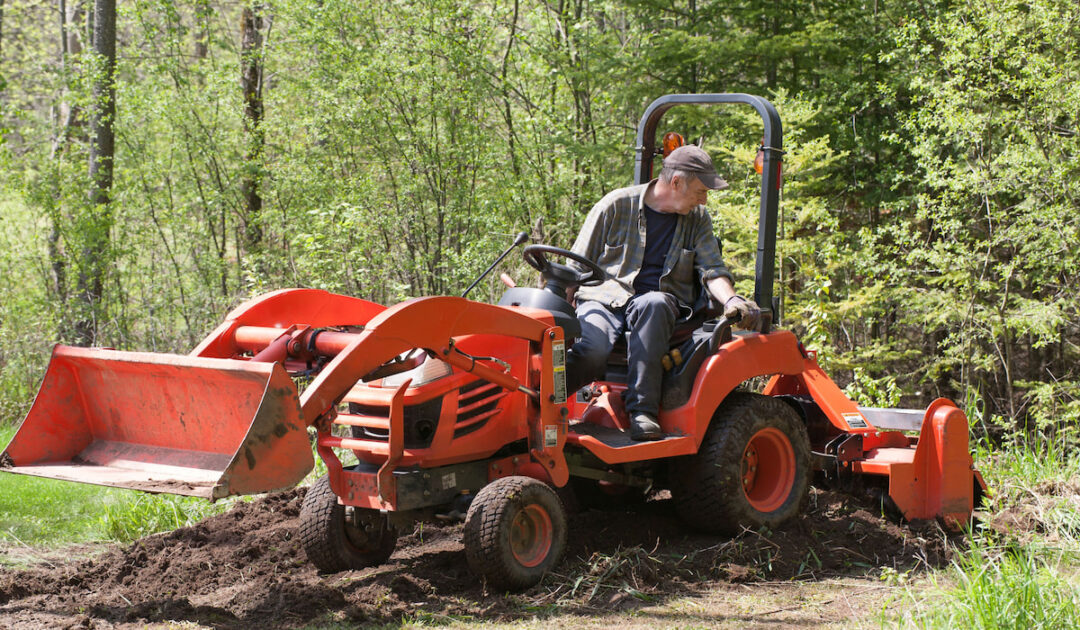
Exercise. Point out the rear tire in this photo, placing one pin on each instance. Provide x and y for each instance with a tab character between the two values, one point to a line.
752	470
515	532
335	542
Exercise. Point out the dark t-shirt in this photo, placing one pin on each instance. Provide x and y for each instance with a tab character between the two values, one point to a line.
659	229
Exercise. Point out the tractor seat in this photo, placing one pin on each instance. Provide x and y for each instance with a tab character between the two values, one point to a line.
706	309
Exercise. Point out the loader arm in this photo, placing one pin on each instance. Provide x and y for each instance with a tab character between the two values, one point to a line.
434	323
280	309
228	419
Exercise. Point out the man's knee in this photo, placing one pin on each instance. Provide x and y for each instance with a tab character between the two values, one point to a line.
655	306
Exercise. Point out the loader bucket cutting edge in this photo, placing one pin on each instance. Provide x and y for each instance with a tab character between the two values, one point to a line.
163	423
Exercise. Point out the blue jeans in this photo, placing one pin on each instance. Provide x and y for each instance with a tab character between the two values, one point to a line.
651	319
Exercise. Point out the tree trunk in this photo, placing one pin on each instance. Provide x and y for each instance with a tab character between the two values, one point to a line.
251	73
507	110
202	28
70	46
771	69
94	263
102	140
71	125
90	28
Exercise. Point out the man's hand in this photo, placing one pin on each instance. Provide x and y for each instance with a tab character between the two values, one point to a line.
746	311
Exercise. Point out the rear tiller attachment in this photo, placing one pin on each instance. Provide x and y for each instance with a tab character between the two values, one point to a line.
928	475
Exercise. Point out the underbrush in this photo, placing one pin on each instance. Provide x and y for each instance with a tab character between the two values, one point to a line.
1003	586
631	571
1035	493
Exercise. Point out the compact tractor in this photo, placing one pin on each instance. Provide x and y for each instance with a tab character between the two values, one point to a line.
443	407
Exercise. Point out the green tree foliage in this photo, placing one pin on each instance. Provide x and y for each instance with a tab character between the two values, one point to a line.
389	178
393	148
990	237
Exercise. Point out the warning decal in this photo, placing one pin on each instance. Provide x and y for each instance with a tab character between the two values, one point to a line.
855	420
558	363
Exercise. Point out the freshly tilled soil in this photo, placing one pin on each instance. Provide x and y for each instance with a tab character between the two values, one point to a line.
245	569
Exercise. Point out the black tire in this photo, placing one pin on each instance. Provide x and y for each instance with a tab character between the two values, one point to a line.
335	543
515	532
752	470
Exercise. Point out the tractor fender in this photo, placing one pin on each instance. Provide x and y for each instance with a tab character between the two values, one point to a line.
742	358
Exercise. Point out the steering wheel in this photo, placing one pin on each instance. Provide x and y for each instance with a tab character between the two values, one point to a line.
558	276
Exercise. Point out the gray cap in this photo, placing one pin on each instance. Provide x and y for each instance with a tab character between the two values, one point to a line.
692	159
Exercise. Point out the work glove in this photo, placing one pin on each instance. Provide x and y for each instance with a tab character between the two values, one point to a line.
745	311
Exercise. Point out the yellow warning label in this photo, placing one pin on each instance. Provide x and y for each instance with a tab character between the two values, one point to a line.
558	362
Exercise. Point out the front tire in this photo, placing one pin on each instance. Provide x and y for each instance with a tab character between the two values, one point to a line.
752	470
336	538
515	532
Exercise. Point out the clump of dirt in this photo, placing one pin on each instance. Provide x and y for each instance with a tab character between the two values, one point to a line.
245	568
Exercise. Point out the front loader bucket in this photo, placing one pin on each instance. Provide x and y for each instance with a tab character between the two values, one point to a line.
163	423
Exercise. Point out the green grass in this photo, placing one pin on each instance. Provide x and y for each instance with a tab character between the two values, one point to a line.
37	511
994	586
143	514
50	513
1026	462
1006	587
1021	565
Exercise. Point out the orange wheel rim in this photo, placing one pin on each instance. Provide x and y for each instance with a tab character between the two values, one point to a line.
530	535
768	469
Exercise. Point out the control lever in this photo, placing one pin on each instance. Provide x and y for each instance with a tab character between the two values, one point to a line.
518	240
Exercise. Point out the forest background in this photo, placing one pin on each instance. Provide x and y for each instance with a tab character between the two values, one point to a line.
387	150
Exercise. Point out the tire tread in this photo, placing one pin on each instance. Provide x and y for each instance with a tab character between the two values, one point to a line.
486	537
707	489
322	534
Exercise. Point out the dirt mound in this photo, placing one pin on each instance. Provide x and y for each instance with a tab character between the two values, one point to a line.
245	568
1048	510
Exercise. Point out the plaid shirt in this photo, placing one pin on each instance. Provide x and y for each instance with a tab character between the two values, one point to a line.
613	236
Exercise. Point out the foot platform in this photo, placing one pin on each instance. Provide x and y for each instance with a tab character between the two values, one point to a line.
614	446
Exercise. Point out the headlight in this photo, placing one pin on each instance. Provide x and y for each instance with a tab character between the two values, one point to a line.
427	372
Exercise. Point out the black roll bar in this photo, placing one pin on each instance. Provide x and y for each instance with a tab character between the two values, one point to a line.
645	151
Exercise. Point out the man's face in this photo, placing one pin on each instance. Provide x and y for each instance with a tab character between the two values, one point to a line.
690	192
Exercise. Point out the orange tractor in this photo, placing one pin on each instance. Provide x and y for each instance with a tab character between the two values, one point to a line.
450	408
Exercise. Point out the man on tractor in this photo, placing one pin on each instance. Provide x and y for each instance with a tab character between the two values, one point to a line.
656	243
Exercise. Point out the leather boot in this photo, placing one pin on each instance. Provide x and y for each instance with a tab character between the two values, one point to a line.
644	427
